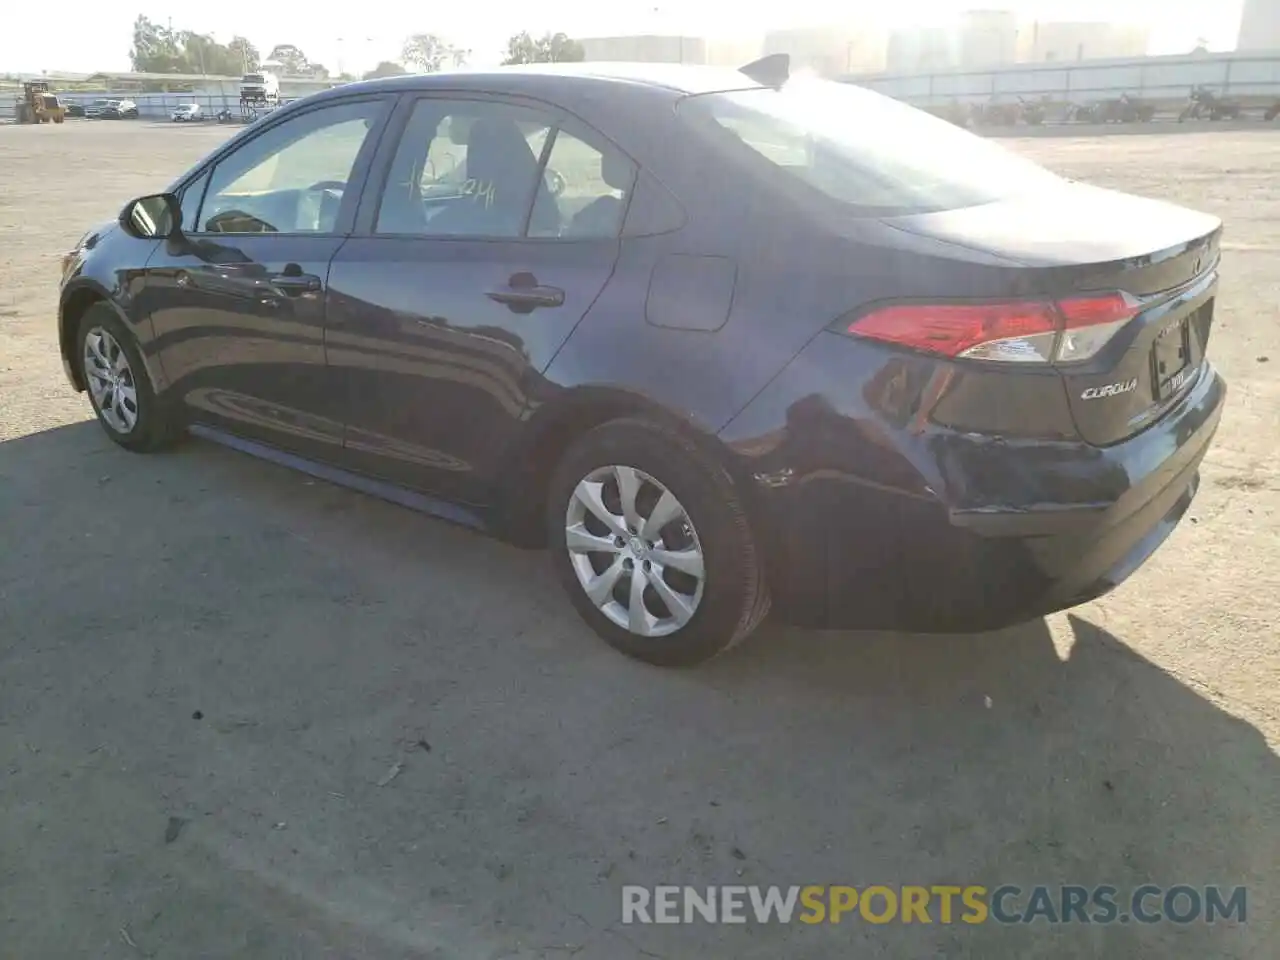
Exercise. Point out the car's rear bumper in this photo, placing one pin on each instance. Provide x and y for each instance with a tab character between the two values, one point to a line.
927	532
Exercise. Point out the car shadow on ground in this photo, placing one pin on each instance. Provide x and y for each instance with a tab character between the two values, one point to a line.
323	637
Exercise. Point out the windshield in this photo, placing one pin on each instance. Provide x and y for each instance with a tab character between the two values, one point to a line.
864	149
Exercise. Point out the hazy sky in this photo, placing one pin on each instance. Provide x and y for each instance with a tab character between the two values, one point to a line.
96	34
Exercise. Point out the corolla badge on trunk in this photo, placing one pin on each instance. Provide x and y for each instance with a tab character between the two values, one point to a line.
1110	390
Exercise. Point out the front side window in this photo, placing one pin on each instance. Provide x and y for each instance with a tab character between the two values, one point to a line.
292	177
862	149
189	201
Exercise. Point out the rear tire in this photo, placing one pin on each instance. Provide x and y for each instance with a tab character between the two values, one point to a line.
686	518
119	386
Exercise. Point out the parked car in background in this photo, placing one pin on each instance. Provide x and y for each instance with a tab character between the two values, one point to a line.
75	109
763	340
119	110
95	107
186	112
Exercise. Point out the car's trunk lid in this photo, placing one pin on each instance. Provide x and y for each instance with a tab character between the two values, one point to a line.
1083	240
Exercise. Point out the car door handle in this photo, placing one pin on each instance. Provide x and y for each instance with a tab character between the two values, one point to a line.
524	294
293	284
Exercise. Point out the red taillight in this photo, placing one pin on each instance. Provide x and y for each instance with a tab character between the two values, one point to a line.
1090	323
1015	331
953	329
1091	311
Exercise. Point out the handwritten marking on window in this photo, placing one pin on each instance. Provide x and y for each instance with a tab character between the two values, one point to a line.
482	190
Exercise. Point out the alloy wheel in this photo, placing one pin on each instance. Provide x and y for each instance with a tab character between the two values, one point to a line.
634	550
111	380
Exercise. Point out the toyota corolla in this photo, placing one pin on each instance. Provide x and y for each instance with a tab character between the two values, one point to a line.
721	340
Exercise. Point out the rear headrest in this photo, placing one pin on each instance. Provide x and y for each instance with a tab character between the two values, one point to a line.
615	169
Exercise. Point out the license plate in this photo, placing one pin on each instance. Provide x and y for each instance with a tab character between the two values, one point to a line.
1170	359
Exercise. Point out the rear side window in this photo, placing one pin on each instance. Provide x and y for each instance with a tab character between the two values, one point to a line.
589	186
874	154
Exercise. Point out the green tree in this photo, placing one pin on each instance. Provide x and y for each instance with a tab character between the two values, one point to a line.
429	53
293	60
387	68
245	55
550	48
203	54
197	53
156	48
161	49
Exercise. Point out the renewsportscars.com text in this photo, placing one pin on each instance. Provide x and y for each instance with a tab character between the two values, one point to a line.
970	904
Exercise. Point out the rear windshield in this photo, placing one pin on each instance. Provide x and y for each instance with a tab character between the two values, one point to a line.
863	149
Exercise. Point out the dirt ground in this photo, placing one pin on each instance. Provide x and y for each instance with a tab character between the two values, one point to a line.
209	666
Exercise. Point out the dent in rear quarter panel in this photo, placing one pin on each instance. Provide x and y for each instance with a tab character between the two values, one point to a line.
827	473
856	484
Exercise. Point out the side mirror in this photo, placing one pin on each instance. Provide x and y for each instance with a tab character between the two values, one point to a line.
156	217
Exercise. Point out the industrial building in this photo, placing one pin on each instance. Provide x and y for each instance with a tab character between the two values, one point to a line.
983	39
646	48
1049	42
987	38
975	40
1259	25
920	50
829	50
659	48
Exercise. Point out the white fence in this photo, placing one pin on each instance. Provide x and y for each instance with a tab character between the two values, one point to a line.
1251	77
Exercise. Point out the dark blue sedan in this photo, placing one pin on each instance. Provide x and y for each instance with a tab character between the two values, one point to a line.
721	340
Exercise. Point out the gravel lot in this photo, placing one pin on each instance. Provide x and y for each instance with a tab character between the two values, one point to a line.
201	636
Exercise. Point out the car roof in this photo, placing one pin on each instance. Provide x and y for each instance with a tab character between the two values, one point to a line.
553	79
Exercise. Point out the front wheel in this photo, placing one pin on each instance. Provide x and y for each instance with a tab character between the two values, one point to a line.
651	542
118	385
